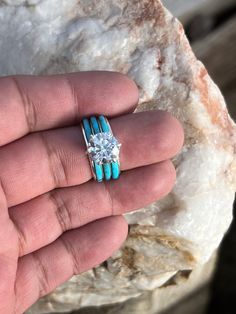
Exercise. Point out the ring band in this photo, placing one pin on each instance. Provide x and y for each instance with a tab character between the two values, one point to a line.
102	148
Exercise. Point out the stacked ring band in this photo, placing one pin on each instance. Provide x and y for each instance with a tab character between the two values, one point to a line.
102	148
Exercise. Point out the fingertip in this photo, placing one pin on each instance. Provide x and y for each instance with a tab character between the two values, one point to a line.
170	176
131	88
117	230
177	132
127	93
172	133
162	177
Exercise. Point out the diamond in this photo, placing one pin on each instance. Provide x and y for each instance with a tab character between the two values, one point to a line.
103	148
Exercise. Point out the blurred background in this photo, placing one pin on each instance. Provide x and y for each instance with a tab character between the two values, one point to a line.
211	29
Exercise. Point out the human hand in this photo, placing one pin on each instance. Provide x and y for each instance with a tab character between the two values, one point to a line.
55	221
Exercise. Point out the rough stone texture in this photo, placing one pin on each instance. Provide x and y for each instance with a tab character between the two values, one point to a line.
189	287
140	38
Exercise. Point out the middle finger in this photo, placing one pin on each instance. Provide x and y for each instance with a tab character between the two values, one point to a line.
46	160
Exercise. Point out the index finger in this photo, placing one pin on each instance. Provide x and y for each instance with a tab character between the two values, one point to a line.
34	103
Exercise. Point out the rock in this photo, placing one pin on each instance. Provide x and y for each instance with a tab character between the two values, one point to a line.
139	37
191	287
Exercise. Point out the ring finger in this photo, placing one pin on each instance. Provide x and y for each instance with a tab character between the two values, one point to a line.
46	160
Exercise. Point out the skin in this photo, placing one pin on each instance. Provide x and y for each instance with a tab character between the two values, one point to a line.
56	221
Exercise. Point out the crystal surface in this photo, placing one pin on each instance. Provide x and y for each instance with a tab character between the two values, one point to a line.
103	148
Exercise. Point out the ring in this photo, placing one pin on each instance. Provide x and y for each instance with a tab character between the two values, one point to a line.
102	148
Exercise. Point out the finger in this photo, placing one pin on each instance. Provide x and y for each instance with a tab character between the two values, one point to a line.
31	103
73	253
43	219
40	162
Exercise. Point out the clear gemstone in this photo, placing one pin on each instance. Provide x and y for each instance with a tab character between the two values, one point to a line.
103	148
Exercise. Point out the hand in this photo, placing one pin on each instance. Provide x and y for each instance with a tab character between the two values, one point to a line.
55	221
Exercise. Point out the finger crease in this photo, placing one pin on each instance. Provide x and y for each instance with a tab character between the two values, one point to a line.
3	191
74	98
56	164
62	211
29	108
42	275
15	296
22	240
73	255
110	197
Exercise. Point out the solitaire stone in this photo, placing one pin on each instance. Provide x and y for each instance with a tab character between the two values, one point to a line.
103	148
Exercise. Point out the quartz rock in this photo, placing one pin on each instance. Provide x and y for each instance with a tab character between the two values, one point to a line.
142	39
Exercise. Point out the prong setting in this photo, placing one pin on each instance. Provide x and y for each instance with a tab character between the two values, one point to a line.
103	148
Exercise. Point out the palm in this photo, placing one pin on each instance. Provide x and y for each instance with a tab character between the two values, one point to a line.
55	221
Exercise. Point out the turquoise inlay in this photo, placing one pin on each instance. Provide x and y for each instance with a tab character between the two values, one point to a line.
103	123
88	133
114	167
96	128
95	125
87	128
98	168
107	171
98	172
115	170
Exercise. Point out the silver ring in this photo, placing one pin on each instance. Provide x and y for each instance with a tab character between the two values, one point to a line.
103	148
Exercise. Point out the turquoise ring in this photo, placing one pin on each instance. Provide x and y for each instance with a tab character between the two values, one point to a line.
102	148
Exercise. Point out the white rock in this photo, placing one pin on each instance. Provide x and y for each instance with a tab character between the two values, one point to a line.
141	38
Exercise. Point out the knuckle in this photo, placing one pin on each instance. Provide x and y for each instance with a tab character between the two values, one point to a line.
56	162
42	275
62	210
28	105
73	254
22	239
